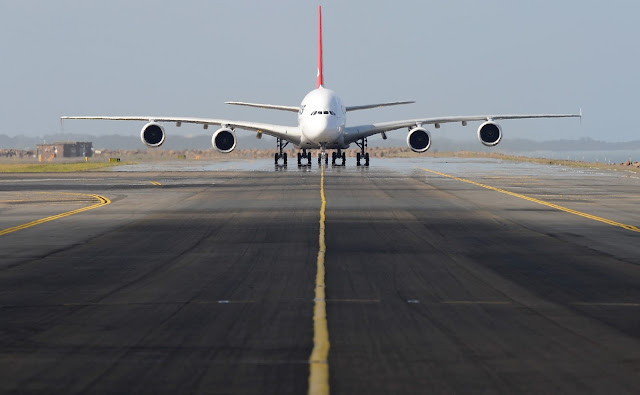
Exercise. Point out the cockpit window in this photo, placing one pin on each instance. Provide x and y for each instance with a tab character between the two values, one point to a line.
314	113
332	113
326	112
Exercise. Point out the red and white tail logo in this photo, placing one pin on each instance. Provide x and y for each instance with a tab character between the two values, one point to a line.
319	46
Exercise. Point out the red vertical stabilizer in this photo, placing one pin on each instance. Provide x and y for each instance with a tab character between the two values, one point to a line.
319	46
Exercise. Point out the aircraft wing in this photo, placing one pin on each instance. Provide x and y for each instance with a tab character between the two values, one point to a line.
289	133
354	133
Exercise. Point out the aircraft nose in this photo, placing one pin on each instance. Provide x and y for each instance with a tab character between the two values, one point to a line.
321	130
322	124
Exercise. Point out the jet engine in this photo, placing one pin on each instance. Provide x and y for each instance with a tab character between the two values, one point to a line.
490	133
152	134
419	139
224	140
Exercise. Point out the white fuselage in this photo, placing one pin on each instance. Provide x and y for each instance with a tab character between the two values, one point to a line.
322	120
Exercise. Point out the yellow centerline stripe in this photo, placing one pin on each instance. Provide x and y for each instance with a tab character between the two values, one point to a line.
155	183
542	202
318	361
102	201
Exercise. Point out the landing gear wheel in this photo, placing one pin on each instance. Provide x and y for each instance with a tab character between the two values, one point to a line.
281	155
299	159
358	159
344	159
319	159
333	158
362	144
309	158
326	159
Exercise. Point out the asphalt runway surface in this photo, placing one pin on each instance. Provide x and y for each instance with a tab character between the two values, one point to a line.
442	276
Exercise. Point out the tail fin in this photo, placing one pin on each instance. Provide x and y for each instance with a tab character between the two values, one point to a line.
319	46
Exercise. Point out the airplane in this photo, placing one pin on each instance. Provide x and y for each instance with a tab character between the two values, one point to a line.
322	124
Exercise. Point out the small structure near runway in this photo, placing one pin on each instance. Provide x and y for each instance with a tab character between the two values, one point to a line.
64	150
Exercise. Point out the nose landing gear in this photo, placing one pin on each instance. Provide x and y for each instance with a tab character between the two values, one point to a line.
323	154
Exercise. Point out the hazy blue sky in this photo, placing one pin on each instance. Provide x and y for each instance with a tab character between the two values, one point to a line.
185	58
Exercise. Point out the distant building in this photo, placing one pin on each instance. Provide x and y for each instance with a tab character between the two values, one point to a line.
64	150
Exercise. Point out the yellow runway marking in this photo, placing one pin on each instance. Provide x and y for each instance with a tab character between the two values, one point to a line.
318	361
102	201
155	183
542	202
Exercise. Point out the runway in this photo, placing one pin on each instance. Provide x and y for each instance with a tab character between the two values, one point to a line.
443	275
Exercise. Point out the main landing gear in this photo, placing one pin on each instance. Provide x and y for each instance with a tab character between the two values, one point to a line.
280	155
304	156
362	155
338	155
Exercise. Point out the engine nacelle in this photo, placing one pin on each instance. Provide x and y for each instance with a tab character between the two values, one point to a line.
419	139
490	133
152	134
224	140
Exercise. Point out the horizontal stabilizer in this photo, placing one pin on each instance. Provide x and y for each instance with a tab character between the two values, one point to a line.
267	106
366	106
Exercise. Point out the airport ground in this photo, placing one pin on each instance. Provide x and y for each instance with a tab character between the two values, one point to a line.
21	159
443	275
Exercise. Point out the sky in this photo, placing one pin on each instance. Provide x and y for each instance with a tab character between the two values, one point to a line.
465	57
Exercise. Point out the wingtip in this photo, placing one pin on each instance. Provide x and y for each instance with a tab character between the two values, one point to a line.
580	115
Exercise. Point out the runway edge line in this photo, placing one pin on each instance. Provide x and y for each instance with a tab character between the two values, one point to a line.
102	201
318	361
542	202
